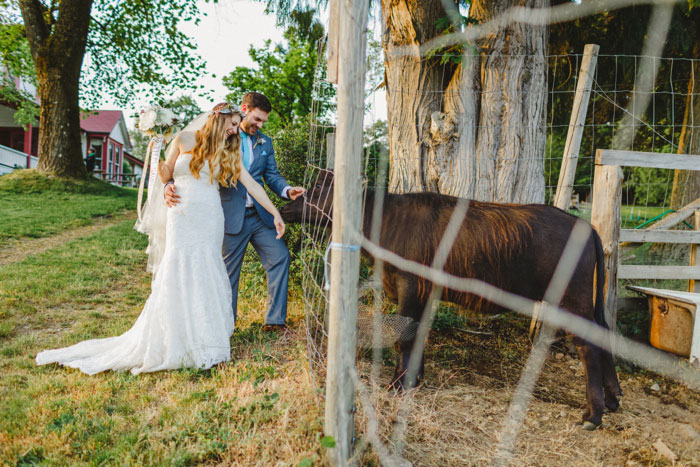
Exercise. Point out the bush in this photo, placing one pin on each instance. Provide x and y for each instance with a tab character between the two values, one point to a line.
648	186
292	149
291	145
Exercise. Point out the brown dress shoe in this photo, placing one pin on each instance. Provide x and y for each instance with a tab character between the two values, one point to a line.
276	328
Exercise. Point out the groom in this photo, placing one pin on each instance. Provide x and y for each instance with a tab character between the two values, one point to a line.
245	221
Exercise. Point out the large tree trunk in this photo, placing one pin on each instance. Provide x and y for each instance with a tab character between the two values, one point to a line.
57	43
473	129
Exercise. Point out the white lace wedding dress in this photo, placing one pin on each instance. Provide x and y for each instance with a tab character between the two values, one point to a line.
187	320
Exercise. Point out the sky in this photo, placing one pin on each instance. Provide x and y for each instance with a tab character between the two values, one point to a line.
223	38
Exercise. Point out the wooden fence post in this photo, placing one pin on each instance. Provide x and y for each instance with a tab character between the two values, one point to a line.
347	205
693	285
567	174
332	58
330	151
605	217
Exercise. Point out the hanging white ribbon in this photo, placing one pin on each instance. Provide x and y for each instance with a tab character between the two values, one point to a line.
155	158
154	148
152	217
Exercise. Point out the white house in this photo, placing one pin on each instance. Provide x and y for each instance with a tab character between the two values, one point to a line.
18	146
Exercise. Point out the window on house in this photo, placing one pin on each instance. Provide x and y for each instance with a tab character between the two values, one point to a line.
110	159
98	155
118	161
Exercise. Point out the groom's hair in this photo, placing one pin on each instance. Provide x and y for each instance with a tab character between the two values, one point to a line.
255	100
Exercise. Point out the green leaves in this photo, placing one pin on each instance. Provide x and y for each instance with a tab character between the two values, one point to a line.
135	50
285	73
14	51
16	58
452	54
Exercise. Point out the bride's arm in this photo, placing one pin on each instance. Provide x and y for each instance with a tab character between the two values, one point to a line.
257	192
166	168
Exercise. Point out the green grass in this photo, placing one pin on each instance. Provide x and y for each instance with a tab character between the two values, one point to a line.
36	205
258	408
631	216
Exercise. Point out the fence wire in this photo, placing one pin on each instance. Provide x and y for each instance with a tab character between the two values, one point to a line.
655	128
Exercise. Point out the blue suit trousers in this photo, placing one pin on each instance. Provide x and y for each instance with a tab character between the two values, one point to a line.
274	257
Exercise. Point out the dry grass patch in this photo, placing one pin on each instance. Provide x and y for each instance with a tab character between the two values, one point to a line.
456	417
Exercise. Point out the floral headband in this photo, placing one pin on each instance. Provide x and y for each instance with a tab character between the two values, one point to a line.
227	109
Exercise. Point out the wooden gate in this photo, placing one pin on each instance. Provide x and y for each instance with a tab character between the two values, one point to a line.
606	218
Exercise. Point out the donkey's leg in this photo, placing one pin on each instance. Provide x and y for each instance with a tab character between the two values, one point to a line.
410	306
611	384
595	402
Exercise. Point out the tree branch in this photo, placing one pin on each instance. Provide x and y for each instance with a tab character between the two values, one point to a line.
99	23
70	34
35	27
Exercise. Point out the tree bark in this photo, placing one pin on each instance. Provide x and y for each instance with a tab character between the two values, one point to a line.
473	129
57	43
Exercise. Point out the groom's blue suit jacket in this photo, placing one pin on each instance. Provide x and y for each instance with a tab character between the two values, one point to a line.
263	168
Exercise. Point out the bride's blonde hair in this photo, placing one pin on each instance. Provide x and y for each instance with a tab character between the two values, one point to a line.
212	145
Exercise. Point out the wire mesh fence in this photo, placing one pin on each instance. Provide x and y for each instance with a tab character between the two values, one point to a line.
646	194
656	130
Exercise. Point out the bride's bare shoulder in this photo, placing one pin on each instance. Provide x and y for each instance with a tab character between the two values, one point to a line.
185	141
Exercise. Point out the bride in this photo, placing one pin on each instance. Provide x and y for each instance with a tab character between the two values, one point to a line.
187	320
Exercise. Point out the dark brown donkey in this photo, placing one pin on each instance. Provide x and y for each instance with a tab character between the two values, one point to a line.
514	247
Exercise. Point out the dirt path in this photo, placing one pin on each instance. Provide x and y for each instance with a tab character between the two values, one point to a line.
18	249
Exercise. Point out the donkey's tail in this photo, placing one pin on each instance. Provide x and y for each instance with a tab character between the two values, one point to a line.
599	311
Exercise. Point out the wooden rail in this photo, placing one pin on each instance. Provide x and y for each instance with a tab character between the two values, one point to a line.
567	173
628	271
660	236
351	20
605	217
647	159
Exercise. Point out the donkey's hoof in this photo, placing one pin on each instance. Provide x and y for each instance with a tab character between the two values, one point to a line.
588	426
611	407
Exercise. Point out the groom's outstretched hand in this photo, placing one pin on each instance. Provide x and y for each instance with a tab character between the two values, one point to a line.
170	195
279	226
295	192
